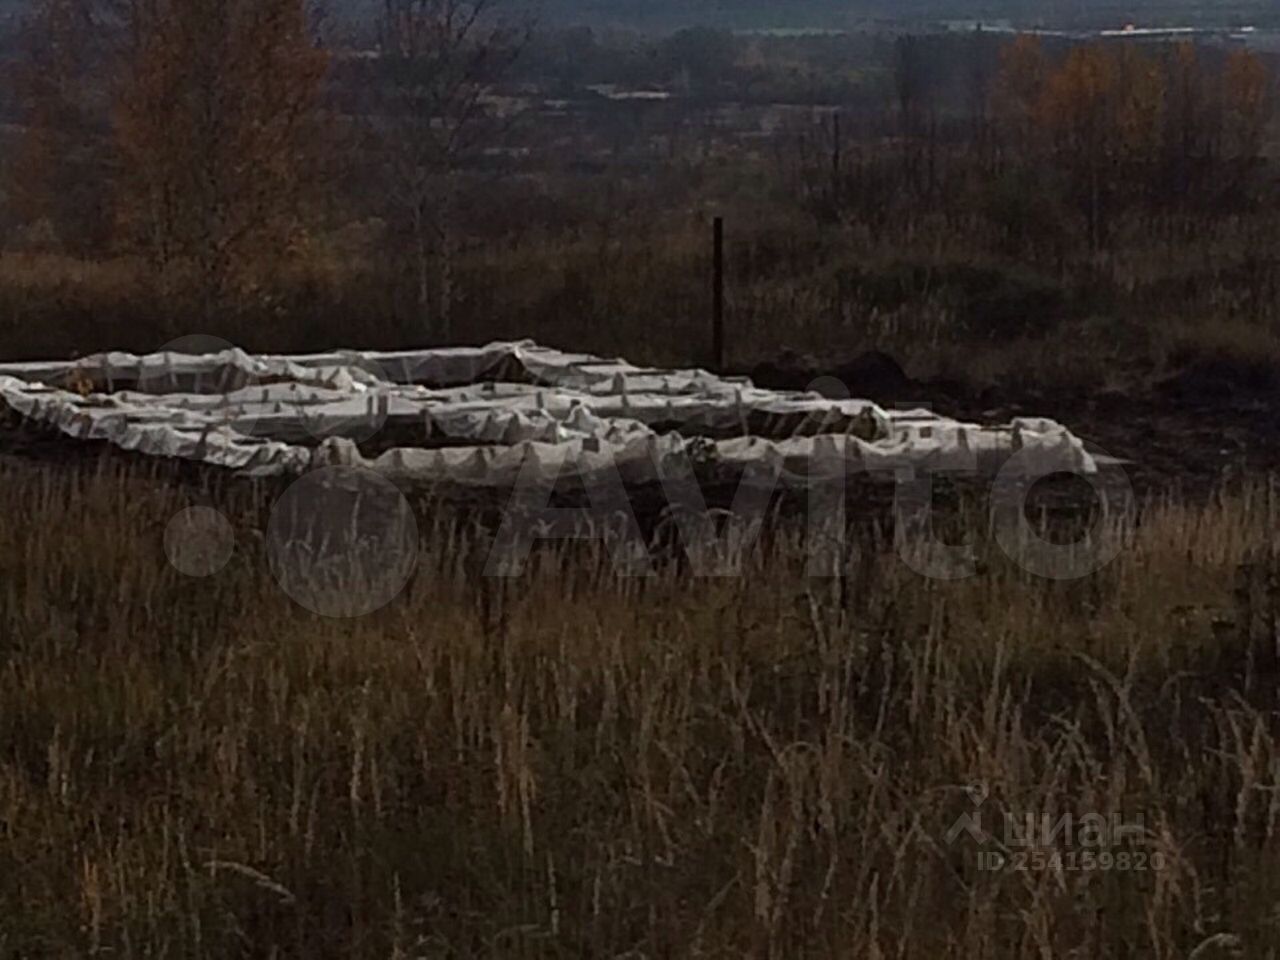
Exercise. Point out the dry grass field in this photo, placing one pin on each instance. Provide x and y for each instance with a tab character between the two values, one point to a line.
578	764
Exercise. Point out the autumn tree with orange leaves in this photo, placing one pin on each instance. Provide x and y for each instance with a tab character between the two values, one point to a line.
1247	107
1122	126
1101	113
215	115
1024	70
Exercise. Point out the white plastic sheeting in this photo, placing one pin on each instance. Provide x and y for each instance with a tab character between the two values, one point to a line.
495	415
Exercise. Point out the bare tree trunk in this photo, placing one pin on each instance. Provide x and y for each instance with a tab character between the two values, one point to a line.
440	57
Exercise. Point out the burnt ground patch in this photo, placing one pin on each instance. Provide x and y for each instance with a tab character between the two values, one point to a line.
1213	421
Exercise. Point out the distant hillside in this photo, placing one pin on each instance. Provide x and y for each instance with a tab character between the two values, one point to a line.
759	14
739	14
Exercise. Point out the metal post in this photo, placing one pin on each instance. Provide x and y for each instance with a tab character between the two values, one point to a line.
717	301
836	163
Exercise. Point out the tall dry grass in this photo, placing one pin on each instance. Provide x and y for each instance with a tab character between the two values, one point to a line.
571	764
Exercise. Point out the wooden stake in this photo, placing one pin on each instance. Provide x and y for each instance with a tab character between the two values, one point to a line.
717	299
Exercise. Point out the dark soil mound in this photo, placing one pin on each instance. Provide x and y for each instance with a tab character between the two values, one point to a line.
872	375
1213	379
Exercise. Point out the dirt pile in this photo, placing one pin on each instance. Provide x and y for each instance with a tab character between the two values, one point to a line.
872	375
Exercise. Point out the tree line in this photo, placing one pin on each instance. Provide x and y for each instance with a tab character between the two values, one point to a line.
1094	133
1122	127
204	136
211	140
